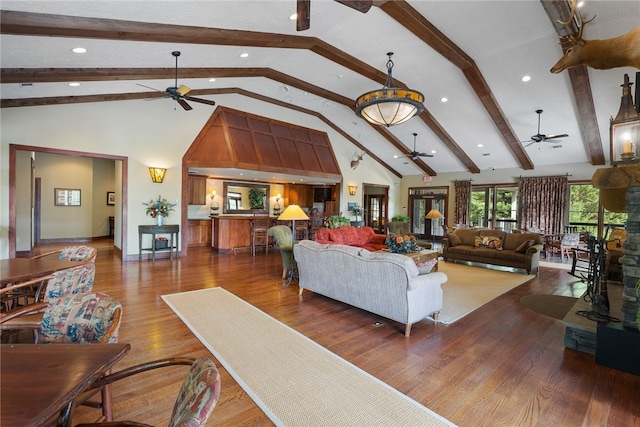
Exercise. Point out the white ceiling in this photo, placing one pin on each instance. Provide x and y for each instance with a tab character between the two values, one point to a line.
506	39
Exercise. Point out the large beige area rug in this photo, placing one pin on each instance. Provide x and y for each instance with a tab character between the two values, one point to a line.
295	381
469	288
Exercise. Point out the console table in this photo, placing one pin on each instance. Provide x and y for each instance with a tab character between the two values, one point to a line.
172	230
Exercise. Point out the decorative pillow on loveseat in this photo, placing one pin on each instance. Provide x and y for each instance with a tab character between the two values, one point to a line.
454	240
490	242
427	266
522	248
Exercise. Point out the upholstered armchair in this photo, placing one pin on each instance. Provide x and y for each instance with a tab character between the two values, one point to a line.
73	253
402	228
284	240
196	399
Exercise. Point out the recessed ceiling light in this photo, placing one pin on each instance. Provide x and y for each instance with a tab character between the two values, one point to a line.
433	151
293	17
443	99
526	78
212	80
74	84
395	156
79	50
479	145
244	55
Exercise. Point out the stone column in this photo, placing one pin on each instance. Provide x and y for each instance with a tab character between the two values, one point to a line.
631	258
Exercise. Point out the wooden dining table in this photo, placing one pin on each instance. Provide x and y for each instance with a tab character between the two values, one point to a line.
38	382
14	270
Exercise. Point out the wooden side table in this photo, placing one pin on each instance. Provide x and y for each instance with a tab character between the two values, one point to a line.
172	230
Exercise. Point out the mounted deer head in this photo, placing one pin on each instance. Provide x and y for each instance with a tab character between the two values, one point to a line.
623	51
355	163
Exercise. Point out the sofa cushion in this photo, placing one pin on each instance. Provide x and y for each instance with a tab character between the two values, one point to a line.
494	233
524	246
349	235
490	242
468	237
513	240
322	235
454	240
364	235
336	236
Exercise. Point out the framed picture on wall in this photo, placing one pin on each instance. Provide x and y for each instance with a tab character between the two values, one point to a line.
66	197
351	206
111	198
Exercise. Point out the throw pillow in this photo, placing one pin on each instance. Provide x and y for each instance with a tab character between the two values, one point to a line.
522	248
427	266
453	239
490	242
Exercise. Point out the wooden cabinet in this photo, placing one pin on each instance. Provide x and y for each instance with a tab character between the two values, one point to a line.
197	190
199	232
299	194
230	232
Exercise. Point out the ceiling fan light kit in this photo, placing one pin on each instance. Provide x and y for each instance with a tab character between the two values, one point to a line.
390	105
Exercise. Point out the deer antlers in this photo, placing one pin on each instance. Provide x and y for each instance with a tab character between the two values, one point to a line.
580	22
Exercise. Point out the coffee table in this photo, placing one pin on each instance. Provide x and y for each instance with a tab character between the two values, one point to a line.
425	255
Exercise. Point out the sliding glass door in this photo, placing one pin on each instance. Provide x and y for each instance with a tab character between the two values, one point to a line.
421	202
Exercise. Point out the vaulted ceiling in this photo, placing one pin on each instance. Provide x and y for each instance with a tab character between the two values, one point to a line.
474	53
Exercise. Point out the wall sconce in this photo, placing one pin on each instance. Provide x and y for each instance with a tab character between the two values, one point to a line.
157	174
625	129
276	205
214	204
352	190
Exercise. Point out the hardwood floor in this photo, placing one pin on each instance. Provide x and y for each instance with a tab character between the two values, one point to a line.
502	365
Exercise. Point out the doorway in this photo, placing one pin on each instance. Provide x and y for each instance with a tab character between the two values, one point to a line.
18	179
421	201
376	204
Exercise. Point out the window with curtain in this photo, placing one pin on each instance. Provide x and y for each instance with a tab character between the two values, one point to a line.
542	203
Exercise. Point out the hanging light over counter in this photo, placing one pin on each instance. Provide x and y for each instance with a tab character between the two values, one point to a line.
390	105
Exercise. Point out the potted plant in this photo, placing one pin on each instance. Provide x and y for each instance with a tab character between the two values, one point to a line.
401	218
256	198
336	221
357	212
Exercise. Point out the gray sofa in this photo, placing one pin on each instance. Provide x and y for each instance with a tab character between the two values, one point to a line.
383	283
461	245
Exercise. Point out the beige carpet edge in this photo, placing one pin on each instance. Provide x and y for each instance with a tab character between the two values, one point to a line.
255	396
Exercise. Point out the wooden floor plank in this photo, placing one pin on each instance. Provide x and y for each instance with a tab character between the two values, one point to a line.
502	365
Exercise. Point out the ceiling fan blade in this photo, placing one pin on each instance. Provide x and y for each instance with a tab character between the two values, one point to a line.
529	143
184	104
200	100
183	90
564	135
303	11
359	5
425	155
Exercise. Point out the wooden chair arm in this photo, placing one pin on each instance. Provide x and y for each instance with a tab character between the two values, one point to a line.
23	311
19	285
46	254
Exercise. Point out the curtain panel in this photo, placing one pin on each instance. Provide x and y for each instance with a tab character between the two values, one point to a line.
542	203
462	202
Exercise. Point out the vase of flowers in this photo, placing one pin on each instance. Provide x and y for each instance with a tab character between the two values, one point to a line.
159	209
400	244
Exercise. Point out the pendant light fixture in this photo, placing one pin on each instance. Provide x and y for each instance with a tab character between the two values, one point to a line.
390	105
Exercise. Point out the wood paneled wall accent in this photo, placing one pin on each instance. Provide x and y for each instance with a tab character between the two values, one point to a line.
233	138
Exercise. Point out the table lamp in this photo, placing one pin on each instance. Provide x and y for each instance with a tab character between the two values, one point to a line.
293	213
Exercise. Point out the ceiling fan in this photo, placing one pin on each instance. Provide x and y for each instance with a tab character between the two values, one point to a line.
540	137
303	10
416	154
179	93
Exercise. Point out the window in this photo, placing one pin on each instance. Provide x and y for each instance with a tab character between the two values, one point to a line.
234	200
584	205
494	206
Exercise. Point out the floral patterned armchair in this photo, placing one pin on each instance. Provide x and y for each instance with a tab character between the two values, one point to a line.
196	399
73	253
81	318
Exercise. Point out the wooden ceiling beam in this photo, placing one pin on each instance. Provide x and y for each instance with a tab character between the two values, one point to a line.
27	23
407	16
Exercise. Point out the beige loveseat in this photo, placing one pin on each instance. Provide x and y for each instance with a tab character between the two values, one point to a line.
383	283
511	250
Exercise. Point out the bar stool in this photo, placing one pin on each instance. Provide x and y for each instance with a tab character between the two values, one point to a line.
259	232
